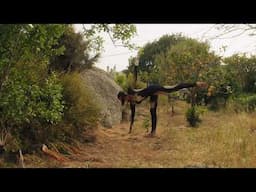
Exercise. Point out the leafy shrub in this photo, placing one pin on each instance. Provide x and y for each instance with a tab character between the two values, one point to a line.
81	108
121	80
193	115
244	103
28	109
146	123
128	81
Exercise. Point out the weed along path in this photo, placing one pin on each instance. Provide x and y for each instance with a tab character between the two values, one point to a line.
221	140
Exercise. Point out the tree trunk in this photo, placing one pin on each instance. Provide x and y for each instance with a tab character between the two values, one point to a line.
193	97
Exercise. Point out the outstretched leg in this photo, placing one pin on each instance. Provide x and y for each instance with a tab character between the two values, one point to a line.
132	106
170	89
153	107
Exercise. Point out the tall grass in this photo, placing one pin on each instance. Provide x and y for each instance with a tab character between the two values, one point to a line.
81	108
222	140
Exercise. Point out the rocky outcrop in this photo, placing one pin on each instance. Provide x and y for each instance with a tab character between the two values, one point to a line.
105	90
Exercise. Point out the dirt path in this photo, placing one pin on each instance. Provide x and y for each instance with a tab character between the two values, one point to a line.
116	148
175	144
222	140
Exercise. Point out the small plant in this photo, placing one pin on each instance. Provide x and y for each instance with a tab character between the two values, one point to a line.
146	124
251	105
245	103
192	116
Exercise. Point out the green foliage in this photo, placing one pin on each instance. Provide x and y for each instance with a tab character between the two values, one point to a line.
148	53
243	71
130	80
218	97
192	115
30	98
245	103
120	34
52	94
28	47
186	61
29	111
126	81
239	73
216	75
141	85
76	56
23	103
121	80
214	103
148	57
174	59
81	107
27	92
146	123
35	107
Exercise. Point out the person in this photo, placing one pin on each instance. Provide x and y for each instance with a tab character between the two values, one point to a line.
136	96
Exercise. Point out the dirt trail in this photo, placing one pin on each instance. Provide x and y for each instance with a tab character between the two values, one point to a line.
116	148
221	140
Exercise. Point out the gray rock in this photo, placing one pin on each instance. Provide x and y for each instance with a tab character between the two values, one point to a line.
105	90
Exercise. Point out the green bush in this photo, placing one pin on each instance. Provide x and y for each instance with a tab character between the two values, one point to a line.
121	80
128	81
81	108
146	123
214	103
49	111
28	109
23	102
244	103
76	55
192	116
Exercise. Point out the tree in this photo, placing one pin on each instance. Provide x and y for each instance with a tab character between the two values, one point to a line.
83	49
148	64
29	96
120	35
22	44
76	56
243	71
186	61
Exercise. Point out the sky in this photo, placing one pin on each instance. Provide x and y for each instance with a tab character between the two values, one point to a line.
118	56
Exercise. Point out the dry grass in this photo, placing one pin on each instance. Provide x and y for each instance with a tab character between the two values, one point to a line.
223	139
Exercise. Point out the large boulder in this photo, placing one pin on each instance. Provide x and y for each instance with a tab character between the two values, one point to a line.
106	90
